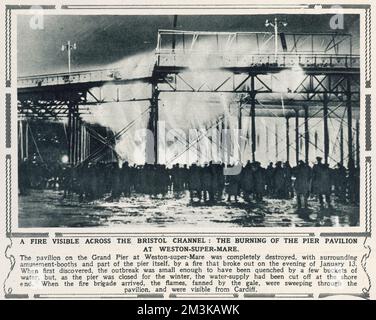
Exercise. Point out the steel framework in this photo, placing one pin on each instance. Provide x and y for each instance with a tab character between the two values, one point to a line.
218	62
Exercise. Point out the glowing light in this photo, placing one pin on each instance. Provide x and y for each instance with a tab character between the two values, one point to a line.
64	159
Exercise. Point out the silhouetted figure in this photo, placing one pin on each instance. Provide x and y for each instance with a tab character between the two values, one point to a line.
206	182
339	177
279	181
260	179
302	184
321	184
195	182
217	182
232	185
247	181
287	175
125	179
269	179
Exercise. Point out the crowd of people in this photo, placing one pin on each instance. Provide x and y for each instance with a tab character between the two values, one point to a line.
210	183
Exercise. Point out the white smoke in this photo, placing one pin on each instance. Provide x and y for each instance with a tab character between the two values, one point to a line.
184	111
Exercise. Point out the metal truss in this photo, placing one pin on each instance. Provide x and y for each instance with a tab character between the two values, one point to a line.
215	62
227	83
252	42
236	50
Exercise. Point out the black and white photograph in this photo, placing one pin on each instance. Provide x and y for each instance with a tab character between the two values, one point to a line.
189	121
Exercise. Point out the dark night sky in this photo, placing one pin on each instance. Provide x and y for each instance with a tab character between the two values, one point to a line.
103	40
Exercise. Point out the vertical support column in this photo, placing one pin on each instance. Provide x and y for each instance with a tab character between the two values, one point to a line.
253	133
326	131
349	124
287	139
240	132
297	136
173	35
73	135
151	153
276	142
26	155
228	141
73	131
341	153
88	144
23	139
69	133
20	140
219	149
253	117
156	119
111	152
82	142
306	134
316	140
222	141
357	145
76	140
218	142
79	140
85	144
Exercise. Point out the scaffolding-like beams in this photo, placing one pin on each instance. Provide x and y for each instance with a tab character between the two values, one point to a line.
326	129
306	135
330	74
296	137
151	152
23	139
349	123
252	96
244	48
